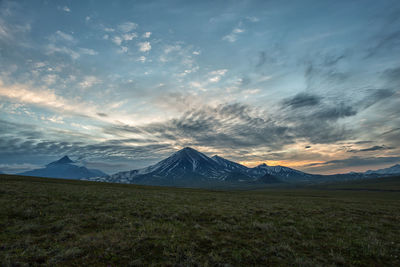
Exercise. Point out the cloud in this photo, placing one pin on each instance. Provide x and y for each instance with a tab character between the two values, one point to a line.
106	29
386	42
232	37
4	33
357	161
18	167
64	8
87	51
129	36
124	49
142	59
9	32
338	111
144	46
127	26
42	97
393	75
53	119
74	54
373	148
172	48
30	144
374	96
146	35
62	36
252	19
223	126
50	79
117	40
216	75
89	81
52	49
251	91
261	59
302	100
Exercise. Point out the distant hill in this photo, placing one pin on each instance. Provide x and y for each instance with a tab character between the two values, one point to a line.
64	168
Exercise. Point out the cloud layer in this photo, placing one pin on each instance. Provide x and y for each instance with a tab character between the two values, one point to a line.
122	85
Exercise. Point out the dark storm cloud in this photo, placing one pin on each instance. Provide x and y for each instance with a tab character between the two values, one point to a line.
363	142
336	112
28	131
375	96
392	137
22	143
391	131
302	100
232	125
13	146
318	123
358	161
241	126
373	148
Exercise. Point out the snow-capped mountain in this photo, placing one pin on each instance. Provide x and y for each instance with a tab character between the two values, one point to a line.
64	168
184	166
229	165
191	167
183	162
393	170
283	173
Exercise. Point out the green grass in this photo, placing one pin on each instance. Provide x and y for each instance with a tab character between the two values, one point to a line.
63	222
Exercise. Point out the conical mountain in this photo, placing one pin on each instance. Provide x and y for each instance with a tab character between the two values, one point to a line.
63	160
64	168
186	161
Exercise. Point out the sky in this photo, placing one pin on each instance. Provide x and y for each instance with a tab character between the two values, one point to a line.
119	85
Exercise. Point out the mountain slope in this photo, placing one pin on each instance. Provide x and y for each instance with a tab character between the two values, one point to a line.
230	165
64	168
395	169
268	179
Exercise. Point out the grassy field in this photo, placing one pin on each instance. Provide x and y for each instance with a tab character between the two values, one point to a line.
63	222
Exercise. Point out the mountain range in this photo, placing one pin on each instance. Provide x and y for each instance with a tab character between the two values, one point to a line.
64	168
189	167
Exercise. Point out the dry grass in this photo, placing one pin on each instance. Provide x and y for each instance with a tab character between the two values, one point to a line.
60	222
